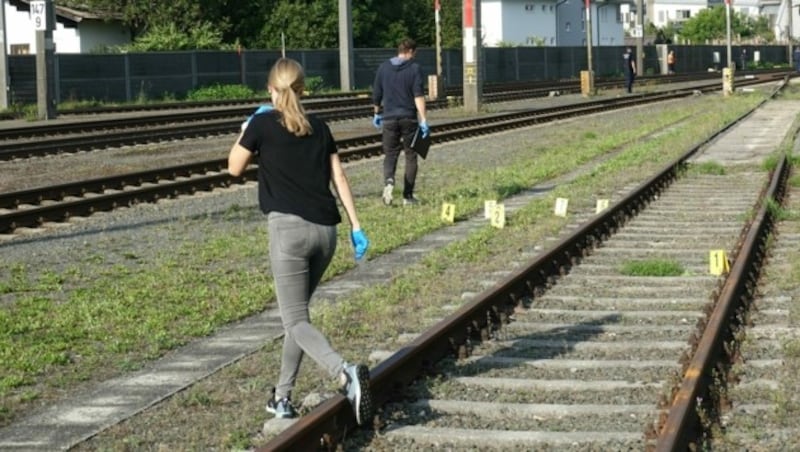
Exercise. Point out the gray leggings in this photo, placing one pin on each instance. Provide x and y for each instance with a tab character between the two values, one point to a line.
299	253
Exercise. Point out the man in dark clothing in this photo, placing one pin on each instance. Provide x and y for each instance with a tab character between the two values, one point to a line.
629	66
399	90
796	58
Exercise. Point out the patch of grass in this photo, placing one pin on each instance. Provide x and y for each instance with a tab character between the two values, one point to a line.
777	211
792	348
652	267
713	168
771	162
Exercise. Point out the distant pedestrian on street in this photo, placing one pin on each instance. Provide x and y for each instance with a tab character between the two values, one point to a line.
297	161
629	66
399	102
796	58
671	62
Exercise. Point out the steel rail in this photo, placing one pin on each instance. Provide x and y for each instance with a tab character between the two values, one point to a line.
237	109
354	148
327	425
683	428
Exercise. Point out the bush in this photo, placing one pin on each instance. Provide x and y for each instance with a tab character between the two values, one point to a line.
221	92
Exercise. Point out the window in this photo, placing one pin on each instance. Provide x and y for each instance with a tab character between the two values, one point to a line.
20	49
530	7
567	26
683	14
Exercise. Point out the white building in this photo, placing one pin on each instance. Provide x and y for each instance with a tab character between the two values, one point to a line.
550	22
675	12
75	32
777	11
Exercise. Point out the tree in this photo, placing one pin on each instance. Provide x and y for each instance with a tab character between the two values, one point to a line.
168	37
309	24
711	25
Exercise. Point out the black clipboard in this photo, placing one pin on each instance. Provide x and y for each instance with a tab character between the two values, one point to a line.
420	144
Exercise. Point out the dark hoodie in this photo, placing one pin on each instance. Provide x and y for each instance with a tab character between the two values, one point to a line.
397	82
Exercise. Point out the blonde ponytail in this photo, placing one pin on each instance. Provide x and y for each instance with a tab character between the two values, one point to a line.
288	79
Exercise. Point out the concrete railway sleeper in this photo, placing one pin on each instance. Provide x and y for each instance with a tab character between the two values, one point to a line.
568	352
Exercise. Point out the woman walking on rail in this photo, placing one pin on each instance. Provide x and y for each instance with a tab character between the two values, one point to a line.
297	161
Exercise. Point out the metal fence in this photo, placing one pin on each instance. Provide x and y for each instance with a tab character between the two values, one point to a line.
155	75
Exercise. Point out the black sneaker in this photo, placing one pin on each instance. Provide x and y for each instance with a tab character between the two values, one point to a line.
281	408
412	201
358	392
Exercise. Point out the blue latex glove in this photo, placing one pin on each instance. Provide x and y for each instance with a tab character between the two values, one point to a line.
377	121
360	243
261	109
423	126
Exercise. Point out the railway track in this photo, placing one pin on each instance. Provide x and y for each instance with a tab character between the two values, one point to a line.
543	87
84	135
36	207
569	353
758	410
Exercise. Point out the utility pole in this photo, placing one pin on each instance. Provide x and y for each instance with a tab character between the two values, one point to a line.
789	39
4	79
346	45
640	41
728	31
438	20
587	76
471	21
44	21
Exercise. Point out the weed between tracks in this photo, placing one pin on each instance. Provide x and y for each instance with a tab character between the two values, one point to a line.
65	329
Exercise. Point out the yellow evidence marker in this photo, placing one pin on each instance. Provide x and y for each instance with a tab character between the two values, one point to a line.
718	262
602	204
561	207
488	208
448	212
499	216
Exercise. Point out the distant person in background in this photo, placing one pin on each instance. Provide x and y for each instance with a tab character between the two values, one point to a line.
297	162
398	89
671	62
629	66
796	58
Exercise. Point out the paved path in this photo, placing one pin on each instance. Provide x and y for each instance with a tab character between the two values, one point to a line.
81	416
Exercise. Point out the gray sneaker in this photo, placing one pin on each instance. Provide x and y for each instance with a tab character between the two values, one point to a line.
281	408
387	194
358	392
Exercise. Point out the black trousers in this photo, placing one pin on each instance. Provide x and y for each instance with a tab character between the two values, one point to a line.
629	81
397	134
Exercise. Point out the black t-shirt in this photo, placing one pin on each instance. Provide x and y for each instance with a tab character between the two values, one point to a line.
629	59
294	173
